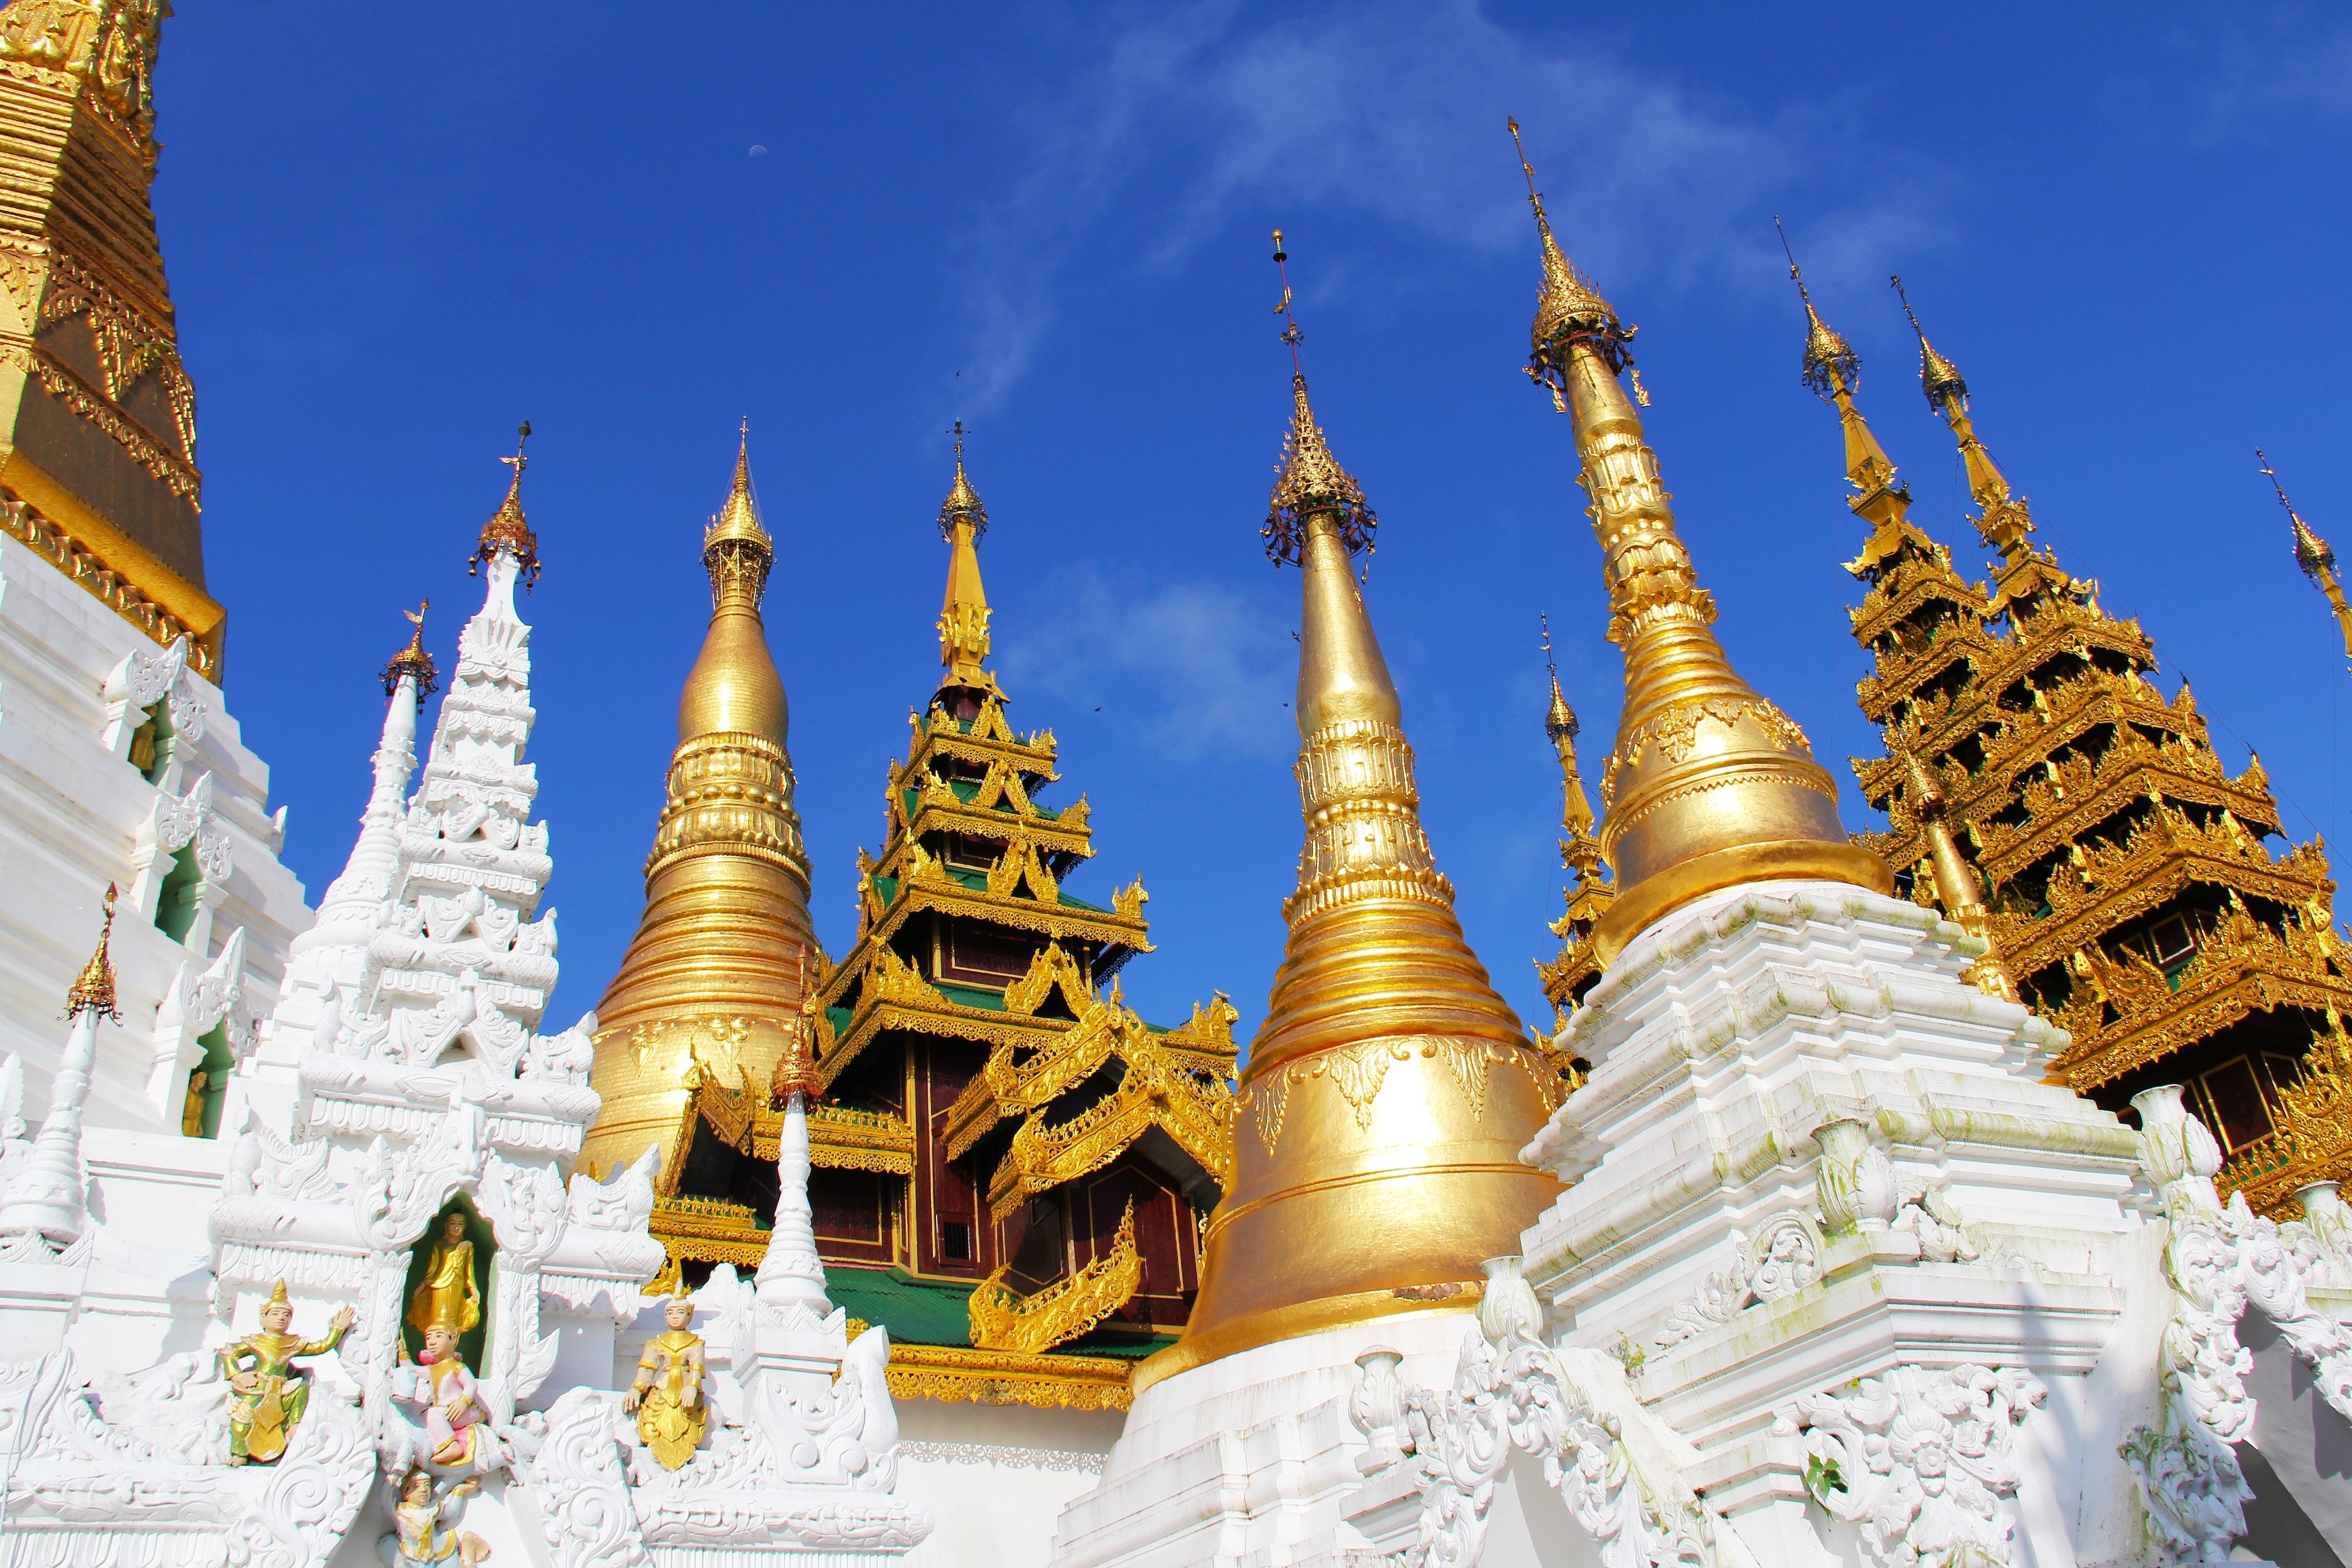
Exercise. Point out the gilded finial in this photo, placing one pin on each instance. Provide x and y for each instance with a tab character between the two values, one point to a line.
277	1296
1946	390
413	662
93	989
1309	480
1560	720
507	532
1830	361
1569	307
963	504
2311	551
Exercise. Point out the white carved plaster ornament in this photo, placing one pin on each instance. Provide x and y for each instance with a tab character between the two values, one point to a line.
170	826
141	680
2219	1258
202	997
1617	1467
1921	1458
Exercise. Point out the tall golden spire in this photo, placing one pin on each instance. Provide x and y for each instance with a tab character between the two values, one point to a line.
2311	553
715	972
1710	786
963	612
2003	517
1390	1089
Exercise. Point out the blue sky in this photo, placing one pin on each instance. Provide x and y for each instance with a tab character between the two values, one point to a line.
393	233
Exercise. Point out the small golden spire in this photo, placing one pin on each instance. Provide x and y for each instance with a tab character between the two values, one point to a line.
963	503
739	520
1830	361
1575	807
1709	786
963	611
1568	304
2312	553
1833	372
2003	518
413	662
1309	480
734	686
1958	889
506	530
93	989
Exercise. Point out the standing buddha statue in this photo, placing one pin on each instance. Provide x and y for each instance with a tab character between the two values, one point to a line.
448	1297
267	1392
667	1395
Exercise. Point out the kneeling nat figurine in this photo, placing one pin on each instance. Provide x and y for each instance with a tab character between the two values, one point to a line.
453	1413
267	1392
418	1540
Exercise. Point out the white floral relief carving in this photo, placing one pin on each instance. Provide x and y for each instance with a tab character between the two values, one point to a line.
1921	1458
2219	1259
1783	1258
1618	1469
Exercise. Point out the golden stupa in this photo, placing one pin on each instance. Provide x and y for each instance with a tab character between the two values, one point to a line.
1710	786
713	981
1376	1158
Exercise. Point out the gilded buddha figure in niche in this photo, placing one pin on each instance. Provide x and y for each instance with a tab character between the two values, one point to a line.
267	1392
667	1395
449	1296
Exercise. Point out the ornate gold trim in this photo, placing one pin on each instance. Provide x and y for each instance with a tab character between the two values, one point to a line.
1062	1310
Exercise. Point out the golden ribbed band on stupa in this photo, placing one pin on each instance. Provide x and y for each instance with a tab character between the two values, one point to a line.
1390	1089
713	981
1710	786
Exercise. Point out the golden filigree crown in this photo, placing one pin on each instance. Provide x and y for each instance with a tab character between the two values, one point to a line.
413	661
93	989
1308	481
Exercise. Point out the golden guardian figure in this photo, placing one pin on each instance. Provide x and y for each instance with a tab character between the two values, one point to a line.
666	1395
267	1392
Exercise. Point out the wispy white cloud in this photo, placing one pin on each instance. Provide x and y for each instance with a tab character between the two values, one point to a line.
2259	74
1396	111
1186	669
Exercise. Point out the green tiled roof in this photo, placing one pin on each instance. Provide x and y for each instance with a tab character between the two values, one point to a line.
916	1311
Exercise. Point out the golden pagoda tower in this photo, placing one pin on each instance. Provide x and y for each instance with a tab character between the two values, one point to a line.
98	417
1710	786
712	984
2312	553
2041	791
1567	978
1390	1089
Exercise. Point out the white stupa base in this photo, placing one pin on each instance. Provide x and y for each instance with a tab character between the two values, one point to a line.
1249	1461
